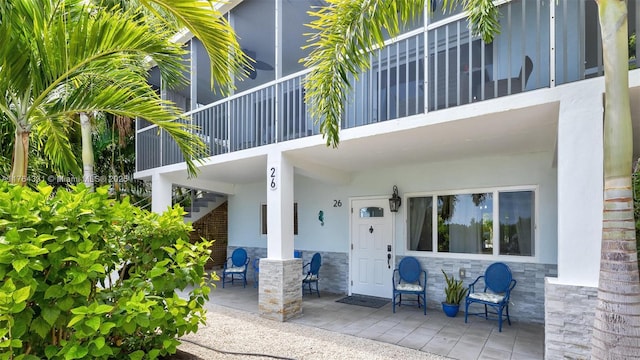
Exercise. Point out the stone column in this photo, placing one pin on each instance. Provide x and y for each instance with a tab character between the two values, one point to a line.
280	296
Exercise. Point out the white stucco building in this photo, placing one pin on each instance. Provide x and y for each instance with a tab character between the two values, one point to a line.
496	150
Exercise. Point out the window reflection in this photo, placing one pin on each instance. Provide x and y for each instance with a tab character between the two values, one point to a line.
465	223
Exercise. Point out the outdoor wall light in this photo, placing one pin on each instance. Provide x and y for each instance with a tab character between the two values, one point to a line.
395	200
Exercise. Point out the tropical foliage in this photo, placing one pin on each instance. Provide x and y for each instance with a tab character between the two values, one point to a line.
64	58
80	279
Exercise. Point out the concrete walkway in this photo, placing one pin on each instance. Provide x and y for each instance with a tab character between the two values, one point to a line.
408	328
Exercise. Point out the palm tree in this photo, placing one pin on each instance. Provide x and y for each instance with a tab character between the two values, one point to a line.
64	58
203	20
345	27
616	332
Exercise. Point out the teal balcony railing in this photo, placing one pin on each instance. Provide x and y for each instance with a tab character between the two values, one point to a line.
436	67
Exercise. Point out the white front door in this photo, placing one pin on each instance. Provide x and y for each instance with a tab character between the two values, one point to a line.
372	251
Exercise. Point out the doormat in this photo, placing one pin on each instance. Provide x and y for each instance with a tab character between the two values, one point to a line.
362	300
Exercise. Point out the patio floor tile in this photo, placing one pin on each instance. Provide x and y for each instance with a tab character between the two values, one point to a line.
408	327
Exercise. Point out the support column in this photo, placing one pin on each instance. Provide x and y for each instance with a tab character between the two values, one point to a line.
161	191
580	185
570	299
280	293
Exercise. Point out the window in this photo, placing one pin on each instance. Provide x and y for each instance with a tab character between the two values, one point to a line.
464	223
516	223
367	212
421	223
263	219
500	222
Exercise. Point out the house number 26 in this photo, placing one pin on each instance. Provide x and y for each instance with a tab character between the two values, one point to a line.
273	184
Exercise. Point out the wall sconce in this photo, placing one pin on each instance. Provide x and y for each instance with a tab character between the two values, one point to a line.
395	200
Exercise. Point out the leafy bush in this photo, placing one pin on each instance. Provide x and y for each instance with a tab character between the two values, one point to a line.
454	291
83	276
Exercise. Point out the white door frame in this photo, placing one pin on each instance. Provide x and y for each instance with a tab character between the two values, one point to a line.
393	235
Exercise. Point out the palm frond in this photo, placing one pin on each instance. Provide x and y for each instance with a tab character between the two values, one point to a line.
343	32
206	23
343	29
58	147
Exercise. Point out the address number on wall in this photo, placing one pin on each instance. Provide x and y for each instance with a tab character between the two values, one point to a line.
337	203
273	181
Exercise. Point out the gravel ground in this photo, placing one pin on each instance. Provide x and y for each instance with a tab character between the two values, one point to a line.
240	334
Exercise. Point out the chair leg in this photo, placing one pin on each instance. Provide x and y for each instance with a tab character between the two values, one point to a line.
486	313
508	318
466	311
500	319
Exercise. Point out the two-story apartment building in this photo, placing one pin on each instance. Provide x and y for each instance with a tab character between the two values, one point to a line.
495	149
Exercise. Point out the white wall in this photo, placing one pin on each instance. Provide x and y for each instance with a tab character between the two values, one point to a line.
580	184
312	196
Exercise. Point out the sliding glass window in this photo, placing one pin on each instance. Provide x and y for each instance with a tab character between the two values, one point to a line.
499	222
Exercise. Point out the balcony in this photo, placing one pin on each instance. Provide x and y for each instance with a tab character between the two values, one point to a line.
453	66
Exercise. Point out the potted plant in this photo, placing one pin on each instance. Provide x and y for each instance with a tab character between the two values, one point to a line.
454	293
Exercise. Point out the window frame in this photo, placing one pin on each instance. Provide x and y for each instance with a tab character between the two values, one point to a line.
495	218
263	219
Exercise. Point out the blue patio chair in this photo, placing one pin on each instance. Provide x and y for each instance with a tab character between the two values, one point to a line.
498	283
236	265
410	279
311	273
256	271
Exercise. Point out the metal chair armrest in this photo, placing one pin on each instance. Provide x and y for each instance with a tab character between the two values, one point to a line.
226	262
473	284
393	279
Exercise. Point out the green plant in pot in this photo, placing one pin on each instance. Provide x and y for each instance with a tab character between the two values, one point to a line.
454	292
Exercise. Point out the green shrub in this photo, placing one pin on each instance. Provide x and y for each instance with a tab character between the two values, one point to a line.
83	276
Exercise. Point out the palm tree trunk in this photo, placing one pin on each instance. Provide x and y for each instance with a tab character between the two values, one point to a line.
616	331
20	156
87	150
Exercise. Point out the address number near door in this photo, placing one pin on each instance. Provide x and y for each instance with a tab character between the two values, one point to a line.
337	203
273	180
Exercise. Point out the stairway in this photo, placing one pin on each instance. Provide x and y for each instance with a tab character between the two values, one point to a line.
197	203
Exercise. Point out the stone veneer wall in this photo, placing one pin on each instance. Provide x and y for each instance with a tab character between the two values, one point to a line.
334	270
213	226
569	315
527	298
279	297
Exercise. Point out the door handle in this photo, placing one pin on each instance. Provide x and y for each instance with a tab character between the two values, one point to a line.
389	260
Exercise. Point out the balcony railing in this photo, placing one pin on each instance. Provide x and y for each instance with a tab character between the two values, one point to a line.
459	69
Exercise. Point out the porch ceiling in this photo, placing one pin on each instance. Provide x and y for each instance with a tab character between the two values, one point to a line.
529	130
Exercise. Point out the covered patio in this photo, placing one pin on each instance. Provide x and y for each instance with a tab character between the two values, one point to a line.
408	327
